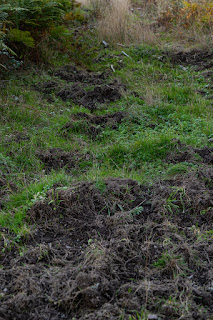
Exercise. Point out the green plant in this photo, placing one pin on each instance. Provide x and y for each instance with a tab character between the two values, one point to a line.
189	18
162	261
25	25
176	199
139	315
177	169
55	199
137	210
16	209
5	50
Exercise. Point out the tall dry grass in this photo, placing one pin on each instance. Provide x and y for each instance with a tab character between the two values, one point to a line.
115	22
137	21
118	24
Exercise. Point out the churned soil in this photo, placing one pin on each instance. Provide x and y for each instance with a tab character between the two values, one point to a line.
93	125
203	59
83	87
91	98
112	249
186	153
57	159
106	249
72	74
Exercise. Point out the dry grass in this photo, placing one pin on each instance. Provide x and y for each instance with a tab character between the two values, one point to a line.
84	2
189	21
118	24
137	21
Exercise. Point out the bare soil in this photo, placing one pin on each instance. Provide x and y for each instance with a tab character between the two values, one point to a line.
100	250
107	249
186	153
200	58
82	87
92	98
71	74
57	159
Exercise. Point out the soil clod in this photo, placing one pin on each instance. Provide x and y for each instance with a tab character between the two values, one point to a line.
71	74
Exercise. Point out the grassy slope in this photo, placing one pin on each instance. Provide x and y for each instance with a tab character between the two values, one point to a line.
166	107
165	114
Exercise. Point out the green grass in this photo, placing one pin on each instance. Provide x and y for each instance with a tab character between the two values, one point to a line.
15	213
162	105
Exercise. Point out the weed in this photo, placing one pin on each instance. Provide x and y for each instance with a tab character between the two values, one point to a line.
16	209
190	15
178	169
139	315
163	261
137	210
175	202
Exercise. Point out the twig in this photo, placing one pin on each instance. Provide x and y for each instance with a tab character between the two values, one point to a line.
126	54
112	68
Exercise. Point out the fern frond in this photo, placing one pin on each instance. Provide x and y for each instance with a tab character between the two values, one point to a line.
4	47
22	36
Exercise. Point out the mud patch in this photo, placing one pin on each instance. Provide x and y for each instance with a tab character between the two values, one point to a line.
91	99
206	153
86	88
200	58
100	250
92	125
71	74
190	195
48	86
57	159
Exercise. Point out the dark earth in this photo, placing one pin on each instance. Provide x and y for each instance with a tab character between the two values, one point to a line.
186	153
100	250
57	159
202	59
92	125
82	87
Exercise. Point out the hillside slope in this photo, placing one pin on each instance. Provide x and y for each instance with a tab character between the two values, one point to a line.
106	189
